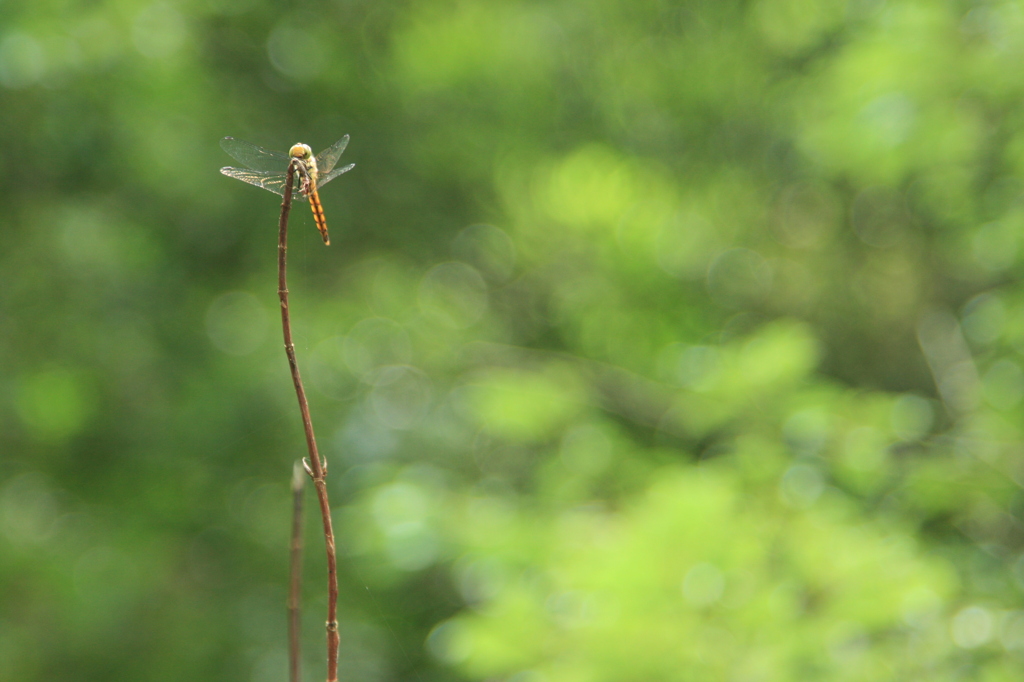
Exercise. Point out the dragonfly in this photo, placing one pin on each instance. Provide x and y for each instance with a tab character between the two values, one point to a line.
268	169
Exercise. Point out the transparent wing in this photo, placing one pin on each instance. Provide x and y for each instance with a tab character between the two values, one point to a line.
270	180
326	159
255	157
324	179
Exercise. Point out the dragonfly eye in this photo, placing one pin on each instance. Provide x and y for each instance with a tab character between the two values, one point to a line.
300	151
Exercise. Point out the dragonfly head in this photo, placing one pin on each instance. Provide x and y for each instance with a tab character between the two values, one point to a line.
301	151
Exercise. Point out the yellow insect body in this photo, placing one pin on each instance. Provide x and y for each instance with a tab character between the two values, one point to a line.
303	153
267	169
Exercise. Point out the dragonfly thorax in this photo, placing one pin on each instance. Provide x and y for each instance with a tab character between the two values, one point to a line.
303	153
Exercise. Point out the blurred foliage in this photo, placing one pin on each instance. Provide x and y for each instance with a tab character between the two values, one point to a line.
657	340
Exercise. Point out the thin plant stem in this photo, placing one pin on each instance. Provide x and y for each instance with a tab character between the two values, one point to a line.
316	469
295	575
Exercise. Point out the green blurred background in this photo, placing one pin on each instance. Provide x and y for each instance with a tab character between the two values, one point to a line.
656	340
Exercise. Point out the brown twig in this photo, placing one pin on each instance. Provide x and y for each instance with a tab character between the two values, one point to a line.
295	575
316	469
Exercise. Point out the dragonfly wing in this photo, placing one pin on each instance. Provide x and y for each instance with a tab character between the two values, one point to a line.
326	159
270	180
255	157
324	179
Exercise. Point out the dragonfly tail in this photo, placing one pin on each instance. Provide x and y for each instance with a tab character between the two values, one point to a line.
318	216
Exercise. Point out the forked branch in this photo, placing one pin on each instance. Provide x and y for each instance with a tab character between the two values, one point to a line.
316	469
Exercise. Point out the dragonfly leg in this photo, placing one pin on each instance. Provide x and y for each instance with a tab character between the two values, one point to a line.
304	176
